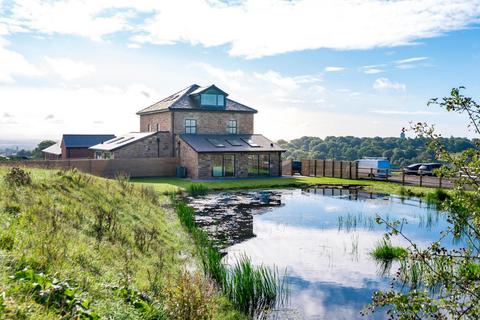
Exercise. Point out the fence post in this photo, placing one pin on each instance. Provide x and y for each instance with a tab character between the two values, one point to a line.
315	168
421	178
440	181
341	169
323	171
350	170
371	173
333	168
403	178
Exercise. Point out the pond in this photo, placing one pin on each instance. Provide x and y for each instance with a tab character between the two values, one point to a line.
321	237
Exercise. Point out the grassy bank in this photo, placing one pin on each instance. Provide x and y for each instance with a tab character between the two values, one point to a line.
169	185
77	246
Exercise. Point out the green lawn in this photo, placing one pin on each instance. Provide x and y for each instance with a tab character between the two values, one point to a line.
168	185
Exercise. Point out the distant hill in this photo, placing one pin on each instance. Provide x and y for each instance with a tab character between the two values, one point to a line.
400	151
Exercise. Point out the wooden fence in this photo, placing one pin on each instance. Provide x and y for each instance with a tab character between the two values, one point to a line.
330	168
350	170
145	167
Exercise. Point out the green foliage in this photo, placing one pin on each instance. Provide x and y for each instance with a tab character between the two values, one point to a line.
438	282
37	152
400	151
17	177
197	189
66	299
385	251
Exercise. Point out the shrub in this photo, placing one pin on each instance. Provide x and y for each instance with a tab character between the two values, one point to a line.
18	177
189	297
197	189
438	196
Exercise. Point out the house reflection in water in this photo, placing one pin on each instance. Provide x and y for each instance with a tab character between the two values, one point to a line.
228	217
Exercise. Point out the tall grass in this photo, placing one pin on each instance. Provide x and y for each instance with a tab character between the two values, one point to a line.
197	189
252	290
385	251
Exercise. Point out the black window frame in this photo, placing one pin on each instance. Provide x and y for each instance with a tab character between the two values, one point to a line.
257	161
216	100
223	155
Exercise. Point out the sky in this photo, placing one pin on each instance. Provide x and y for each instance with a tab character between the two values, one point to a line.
310	67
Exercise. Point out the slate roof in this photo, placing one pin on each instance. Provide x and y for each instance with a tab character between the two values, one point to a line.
181	100
85	140
54	149
203	143
121	140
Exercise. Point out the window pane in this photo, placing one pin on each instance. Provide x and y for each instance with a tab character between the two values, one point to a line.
252	165
220	101
264	168
217	170
229	165
208	99
190	126
232	126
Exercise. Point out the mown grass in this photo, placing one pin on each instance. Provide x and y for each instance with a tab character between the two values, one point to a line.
252	290
174	185
77	246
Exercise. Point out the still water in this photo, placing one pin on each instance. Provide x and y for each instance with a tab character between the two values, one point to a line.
321	237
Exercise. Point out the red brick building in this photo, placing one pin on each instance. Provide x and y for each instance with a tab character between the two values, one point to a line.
76	146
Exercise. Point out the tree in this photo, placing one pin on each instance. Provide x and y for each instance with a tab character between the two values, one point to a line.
37	152
443	283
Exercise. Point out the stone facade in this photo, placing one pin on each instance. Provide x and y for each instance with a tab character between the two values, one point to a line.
148	147
189	159
205	169
162	119
214	122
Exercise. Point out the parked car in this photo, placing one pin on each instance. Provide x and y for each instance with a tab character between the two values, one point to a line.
296	166
374	167
427	168
412	169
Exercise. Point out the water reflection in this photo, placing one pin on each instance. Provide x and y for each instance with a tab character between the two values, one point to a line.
322	237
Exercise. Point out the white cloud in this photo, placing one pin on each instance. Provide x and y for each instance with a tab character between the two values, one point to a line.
373	69
69	69
14	64
385	84
334	69
410	60
337	24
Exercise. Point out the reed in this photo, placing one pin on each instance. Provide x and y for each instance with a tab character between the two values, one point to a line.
385	251
197	189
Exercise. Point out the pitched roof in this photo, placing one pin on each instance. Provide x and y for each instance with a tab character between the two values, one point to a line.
54	149
230	143
85	140
121	140
182	100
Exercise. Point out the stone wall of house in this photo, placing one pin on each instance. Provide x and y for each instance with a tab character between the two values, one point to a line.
189	159
214	122
163	119
241	164
146	148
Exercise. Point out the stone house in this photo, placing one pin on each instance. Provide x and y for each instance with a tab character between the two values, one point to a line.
75	146
133	145
210	134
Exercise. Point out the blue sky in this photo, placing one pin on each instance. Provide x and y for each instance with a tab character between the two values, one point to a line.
318	68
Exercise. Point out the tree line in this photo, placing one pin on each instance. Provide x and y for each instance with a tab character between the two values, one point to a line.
400	151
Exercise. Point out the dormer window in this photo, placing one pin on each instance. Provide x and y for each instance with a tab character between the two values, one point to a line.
210	96
212	100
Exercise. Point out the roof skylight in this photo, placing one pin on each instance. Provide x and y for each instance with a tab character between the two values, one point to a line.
216	142
251	143
235	142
